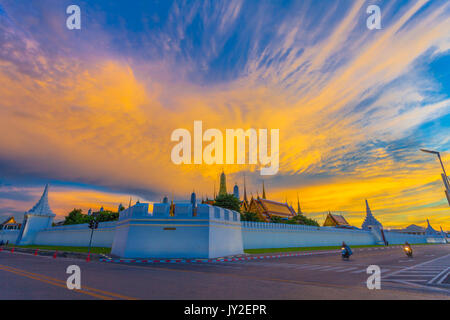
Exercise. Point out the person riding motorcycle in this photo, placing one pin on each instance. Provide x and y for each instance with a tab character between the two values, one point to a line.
408	249
346	251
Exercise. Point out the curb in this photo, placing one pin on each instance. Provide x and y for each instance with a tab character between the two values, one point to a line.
217	260
52	253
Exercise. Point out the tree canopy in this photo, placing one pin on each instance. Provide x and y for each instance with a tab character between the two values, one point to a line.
301	219
228	201
76	216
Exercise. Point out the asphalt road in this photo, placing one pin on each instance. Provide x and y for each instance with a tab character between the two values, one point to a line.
317	276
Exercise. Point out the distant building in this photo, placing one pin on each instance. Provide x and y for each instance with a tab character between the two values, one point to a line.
411	229
336	220
10	224
265	209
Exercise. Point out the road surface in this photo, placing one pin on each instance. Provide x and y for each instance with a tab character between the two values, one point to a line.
316	276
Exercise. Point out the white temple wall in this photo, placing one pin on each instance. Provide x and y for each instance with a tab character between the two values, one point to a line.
254	235
213	232
77	235
400	238
9	235
33	224
257	235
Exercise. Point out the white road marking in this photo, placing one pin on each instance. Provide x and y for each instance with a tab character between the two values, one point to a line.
347	269
427	273
437	277
359	271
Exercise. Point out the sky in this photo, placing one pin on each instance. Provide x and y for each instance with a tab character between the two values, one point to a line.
91	111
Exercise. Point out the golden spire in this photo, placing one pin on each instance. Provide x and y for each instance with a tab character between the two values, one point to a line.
299	210
245	191
264	191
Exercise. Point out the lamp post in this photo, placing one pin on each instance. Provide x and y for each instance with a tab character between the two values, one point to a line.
444	175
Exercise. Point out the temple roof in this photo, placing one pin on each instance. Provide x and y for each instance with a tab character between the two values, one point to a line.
335	220
414	228
9	220
278	208
370	219
42	208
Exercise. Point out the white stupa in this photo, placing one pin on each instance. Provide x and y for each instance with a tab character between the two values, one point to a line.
36	219
429	231
42	208
370	221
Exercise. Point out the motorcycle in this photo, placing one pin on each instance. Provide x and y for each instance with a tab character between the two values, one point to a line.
345	253
408	251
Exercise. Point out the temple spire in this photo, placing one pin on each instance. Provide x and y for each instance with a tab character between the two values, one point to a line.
264	191
370	220
245	191
299	210
236	191
429	230
223	184
42	207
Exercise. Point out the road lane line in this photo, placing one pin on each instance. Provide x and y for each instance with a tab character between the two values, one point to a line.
85	289
56	284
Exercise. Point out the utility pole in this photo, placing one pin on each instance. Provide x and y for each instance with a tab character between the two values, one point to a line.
93	224
443	175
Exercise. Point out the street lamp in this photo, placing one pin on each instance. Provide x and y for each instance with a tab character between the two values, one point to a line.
444	175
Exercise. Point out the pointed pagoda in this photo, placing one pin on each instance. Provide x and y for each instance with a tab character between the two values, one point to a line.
370	221
37	218
223	184
245	204
299	210
236	191
264	191
42	207
429	231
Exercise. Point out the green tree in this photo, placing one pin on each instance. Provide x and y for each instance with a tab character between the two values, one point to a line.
75	216
276	219
106	215
228	201
301	219
250	216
